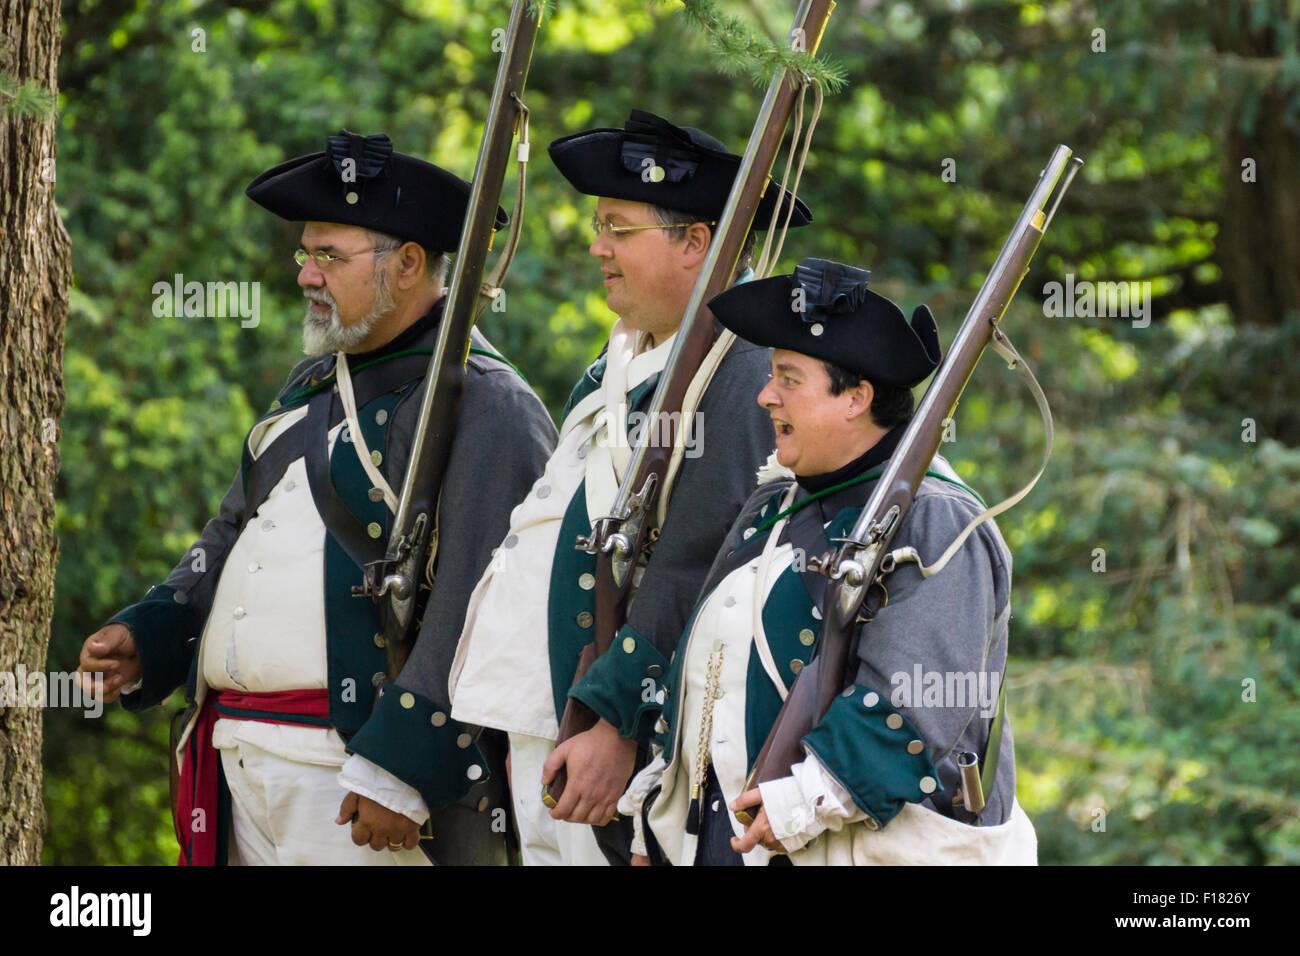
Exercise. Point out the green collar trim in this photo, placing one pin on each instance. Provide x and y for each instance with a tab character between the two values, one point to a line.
869	476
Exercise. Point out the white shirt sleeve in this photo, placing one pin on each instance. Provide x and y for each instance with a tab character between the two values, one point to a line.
367	779
807	803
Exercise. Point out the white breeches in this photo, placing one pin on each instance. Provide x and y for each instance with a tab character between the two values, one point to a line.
283	813
542	840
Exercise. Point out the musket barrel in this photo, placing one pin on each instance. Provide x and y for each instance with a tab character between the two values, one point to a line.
724	252
467	271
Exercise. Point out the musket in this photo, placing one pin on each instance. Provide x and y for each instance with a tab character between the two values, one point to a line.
858	566
620	538
394	580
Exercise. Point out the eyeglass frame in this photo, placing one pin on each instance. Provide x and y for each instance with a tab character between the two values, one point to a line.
598	226
324	259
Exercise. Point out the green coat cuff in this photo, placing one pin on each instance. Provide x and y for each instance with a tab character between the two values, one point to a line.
165	630
418	742
872	759
625	685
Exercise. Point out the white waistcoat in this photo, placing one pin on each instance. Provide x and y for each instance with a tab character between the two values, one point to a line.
501	675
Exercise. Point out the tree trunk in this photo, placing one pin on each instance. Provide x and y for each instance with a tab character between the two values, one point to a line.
35	271
1259	237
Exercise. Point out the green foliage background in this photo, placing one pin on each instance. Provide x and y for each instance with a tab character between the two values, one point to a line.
1126	684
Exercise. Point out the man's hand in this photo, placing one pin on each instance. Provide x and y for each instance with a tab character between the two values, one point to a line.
758	832
639	860
111	651
375	824
599	765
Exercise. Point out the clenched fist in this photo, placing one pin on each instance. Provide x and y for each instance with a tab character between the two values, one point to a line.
109	651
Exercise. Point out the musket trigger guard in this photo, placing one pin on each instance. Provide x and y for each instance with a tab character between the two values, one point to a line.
884	599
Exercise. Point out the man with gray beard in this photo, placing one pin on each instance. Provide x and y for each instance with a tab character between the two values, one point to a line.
322	334
295	748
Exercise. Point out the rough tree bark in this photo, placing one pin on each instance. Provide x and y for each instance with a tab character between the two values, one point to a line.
35	271
1259	235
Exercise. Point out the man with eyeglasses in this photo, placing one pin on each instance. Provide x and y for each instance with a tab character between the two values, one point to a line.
295	750
659	190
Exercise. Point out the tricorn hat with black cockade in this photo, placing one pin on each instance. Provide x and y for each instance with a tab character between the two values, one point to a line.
824	309
652	161
361	181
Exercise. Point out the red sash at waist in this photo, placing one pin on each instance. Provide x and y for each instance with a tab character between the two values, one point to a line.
195	812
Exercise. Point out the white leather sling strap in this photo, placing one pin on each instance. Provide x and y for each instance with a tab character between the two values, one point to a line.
760	596
1002	345
690	404
349	400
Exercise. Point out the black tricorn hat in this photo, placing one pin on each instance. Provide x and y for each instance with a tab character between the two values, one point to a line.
824	309
360	181
652	161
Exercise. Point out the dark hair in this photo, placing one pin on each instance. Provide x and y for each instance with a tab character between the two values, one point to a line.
671	217
891	405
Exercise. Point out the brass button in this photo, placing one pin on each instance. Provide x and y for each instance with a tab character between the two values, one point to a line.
915	747
379	640
376	458
927	784
893	721
817	328
806	637
474	772
629	645
587	581
871	699
381	416
482	804
351	198
463	741
438	718
796	666
374	529
407	700
375	494
377	678
585	619
654	670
